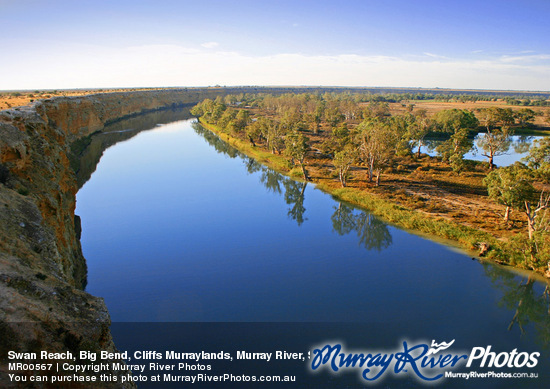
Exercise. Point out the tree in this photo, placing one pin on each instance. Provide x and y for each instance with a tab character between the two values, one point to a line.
338	139
227	118
452	120
399	126
242	119
273	134
216	111
524	116
314	121
533	211
297	148
342	162
292	120
419	128
230	100
253	131
458	123
512	187
202	108
509	186
378	110
333	116
539	158
453	149
496	117
496	141
376	143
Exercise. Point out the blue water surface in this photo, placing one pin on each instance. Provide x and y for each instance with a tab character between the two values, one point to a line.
179	227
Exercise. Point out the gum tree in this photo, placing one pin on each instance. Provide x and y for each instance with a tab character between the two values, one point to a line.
539	159
296	149
512	187
458	124
419	128
509	186
342	162
377	144
496	140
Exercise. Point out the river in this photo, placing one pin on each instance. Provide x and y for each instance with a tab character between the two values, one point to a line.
178	227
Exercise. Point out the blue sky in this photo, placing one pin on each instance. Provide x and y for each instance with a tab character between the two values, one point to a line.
422	43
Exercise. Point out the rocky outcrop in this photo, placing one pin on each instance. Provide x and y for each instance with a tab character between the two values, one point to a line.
83	115
42	269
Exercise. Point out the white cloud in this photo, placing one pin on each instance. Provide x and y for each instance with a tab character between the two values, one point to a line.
435	56
171	65
525	58
210	45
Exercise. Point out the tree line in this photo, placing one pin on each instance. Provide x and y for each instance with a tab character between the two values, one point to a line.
356	134
354	131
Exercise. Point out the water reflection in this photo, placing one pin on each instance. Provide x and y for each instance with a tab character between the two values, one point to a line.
517	148
371	231
531	307
522	143
213	140
294	197
271	179
275	182
86	152
293	191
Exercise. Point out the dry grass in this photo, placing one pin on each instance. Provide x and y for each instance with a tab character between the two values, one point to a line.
435	106
22	98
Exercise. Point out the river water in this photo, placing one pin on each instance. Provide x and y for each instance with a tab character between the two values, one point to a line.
179	227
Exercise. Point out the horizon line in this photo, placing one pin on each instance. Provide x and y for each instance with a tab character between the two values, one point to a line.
278	86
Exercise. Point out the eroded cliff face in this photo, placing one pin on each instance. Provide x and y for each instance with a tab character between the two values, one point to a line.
42	269
80	116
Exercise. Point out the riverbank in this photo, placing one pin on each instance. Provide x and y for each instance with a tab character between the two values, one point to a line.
434	202
42	270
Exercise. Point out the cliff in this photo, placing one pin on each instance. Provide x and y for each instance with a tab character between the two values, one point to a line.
42	269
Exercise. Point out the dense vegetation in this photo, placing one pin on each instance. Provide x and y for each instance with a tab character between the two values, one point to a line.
337	134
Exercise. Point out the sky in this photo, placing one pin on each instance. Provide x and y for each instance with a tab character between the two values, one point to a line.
462	44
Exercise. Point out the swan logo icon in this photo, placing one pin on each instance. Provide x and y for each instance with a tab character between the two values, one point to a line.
435	348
